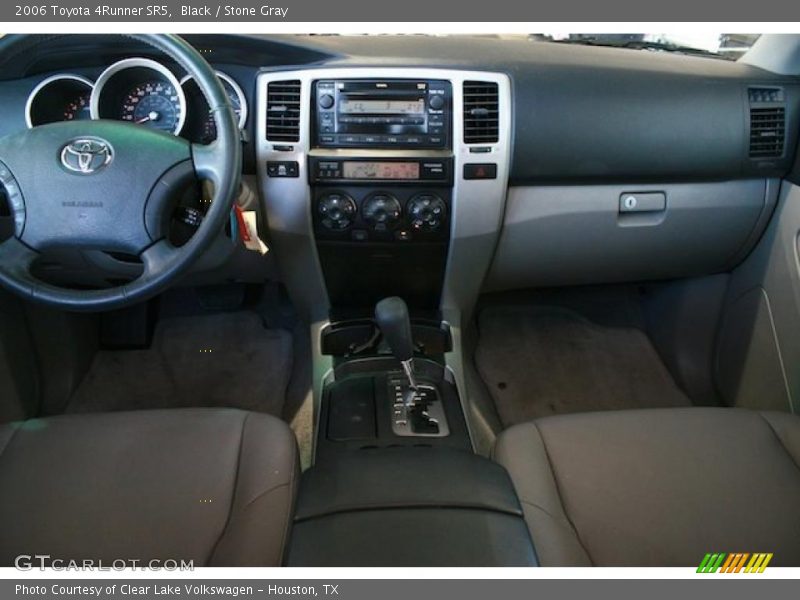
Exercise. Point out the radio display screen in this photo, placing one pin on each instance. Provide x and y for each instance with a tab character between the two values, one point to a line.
380	170
352	106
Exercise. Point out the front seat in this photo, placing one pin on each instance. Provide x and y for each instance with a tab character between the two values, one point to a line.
658	487
214	486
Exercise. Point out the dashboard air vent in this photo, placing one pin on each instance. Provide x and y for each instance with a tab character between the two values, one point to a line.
767	122
481	112
283	111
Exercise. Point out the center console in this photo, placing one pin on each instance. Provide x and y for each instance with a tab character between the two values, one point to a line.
397	176
395	481
384	190
381	175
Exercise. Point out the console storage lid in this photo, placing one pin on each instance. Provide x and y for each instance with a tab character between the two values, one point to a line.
409	478
410	506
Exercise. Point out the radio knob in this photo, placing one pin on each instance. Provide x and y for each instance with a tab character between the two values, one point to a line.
381	211
436	102
426	212
326	101
336	211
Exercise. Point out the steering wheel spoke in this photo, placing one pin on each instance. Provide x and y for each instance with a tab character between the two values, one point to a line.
16	260
158	258
206	161
15	254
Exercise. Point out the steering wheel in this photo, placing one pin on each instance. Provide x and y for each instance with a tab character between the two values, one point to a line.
108	185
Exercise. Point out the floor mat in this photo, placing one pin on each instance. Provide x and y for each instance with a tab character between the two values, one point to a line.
226	359
539	361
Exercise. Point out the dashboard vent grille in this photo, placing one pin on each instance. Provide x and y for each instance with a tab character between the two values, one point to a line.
283	111
767	132
481	112
767	122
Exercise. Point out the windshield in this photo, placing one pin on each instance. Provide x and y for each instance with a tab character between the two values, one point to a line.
722	45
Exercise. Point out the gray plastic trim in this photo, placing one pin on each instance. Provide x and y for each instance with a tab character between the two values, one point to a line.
776	52
763	303
576	235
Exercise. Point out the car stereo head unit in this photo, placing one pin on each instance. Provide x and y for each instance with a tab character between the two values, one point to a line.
388	113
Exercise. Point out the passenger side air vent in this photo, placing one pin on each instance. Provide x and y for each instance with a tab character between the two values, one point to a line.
481	112
767	122
283	111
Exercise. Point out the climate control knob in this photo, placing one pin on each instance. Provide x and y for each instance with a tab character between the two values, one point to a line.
336	211
381	211
426	212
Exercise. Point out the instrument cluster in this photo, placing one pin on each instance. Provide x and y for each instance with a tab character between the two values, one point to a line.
138	90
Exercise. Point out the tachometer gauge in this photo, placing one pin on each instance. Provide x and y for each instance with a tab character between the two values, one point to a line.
200	125
210	126
155	104
78	108
63	97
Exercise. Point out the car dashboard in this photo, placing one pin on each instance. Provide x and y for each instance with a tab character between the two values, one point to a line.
454	165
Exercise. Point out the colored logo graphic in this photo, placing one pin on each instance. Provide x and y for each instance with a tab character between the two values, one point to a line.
739	562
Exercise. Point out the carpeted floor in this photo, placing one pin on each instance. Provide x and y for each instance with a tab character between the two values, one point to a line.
538	361
224	359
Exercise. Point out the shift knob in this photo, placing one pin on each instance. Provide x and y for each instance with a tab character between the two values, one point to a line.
391	314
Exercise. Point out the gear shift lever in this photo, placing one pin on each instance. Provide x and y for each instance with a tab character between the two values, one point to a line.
417	410
391	314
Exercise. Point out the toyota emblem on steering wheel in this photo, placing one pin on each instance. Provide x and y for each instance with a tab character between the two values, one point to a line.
86	156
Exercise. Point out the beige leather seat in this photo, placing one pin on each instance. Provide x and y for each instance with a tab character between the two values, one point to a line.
657	487
215	486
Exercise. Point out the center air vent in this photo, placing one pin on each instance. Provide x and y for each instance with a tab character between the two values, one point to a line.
481	115
283	111
767	122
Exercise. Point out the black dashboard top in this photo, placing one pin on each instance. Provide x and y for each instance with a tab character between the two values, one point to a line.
581	113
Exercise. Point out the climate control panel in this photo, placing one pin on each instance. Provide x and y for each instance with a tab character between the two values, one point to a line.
393	214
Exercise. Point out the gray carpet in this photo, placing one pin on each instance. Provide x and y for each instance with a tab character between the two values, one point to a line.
226	359
539	361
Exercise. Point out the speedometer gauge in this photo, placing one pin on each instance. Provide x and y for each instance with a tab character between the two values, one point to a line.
140	91
155	104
